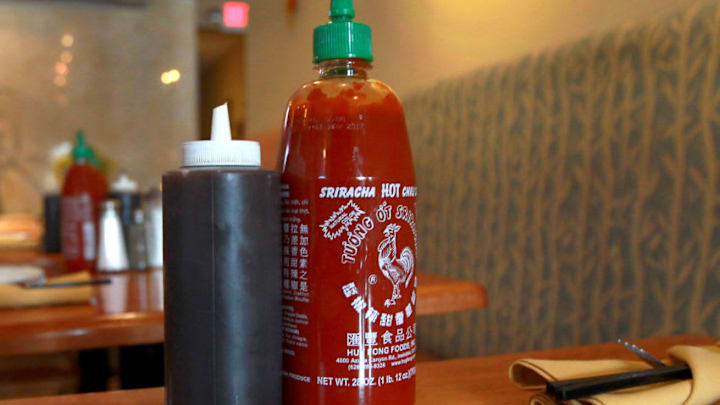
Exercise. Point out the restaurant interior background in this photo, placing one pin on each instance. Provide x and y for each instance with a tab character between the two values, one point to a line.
565	149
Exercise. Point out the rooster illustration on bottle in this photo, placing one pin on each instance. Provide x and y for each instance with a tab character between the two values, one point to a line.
398	269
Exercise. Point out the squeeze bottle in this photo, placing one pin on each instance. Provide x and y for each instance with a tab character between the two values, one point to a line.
349	233
221	218
84	189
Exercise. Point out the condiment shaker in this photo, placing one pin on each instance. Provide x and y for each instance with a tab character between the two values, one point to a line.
112	254
136	243
152	206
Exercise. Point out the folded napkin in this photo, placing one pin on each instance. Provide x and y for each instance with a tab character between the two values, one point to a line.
703	389
15	296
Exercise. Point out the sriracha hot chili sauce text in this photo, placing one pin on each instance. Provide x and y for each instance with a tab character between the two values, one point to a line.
349	233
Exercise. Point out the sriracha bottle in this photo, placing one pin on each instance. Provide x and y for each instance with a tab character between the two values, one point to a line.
349	235
84	189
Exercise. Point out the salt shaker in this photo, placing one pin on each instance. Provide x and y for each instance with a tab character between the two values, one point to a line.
112	255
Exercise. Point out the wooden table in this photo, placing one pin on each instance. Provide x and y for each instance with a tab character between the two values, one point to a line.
475	381
129	311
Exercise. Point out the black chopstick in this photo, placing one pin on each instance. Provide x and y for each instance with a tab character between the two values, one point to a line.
70	284
587	387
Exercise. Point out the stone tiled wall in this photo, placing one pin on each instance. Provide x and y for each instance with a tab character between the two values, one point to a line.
112	88
581	186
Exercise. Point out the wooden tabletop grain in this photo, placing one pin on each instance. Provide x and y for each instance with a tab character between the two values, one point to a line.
474	381
129	311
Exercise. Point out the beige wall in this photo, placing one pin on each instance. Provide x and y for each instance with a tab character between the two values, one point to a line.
113	88
418	42
222	80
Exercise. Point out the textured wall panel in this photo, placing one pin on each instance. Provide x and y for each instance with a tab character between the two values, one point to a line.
580	186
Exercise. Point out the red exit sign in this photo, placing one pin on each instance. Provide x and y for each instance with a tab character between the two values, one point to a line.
236	14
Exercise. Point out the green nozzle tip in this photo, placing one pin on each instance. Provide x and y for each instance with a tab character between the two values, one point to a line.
342	38
342	9
80	137
81	149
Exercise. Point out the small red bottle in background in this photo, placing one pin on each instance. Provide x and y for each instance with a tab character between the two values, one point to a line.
85	187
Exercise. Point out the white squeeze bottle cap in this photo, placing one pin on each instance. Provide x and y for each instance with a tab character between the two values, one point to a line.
221	150
124	184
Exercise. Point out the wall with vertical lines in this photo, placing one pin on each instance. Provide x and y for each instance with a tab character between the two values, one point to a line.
580	186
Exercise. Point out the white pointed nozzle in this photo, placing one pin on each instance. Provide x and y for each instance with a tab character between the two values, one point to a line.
221	124
221	150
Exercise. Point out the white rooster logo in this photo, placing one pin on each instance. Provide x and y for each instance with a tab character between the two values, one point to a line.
399	270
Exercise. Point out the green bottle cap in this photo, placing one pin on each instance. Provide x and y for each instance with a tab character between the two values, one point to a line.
342	38
94	161
81	149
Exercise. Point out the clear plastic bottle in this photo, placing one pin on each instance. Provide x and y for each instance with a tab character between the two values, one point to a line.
136	243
